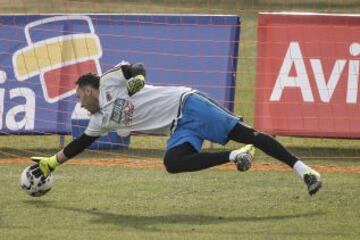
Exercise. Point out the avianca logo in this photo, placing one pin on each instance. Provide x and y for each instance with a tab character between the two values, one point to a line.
58	60
326	87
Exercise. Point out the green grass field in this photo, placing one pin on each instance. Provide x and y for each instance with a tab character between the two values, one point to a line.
121	203
94	202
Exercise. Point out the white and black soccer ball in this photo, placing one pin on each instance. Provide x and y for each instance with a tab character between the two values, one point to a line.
34	183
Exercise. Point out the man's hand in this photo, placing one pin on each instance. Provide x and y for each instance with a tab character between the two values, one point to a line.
46	164
135	84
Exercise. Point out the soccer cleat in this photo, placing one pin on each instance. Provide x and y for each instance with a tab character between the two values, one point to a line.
244	157
312	180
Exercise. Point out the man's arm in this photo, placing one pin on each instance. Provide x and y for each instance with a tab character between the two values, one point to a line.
135	74
76	146
132	70
48	164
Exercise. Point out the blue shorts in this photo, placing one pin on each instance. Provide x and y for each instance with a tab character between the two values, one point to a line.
201	119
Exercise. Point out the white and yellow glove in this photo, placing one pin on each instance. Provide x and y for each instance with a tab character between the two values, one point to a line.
46	164
135	84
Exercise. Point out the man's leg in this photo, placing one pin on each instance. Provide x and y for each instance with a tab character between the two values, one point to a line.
269	145
185	158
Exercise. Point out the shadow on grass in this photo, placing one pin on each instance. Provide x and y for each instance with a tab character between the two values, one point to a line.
147	222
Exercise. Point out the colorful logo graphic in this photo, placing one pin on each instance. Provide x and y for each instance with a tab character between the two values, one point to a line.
58	60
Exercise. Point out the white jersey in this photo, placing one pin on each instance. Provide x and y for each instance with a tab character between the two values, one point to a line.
151	110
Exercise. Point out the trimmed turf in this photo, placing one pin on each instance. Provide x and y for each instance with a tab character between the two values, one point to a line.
89	202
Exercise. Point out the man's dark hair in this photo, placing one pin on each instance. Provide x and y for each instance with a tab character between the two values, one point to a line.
89	79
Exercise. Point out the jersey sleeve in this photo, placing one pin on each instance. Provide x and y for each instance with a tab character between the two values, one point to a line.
115	76
94	128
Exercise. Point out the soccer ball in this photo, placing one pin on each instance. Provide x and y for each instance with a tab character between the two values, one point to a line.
35	186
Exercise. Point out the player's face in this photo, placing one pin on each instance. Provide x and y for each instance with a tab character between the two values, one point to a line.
88	98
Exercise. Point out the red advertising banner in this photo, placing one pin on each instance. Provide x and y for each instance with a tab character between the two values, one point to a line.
307	81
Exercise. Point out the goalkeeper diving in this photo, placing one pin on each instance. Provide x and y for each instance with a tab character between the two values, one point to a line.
120	100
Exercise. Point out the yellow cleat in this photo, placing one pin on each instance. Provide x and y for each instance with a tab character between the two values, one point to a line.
244	157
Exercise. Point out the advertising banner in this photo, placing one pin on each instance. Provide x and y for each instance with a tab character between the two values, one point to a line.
307	80
41	57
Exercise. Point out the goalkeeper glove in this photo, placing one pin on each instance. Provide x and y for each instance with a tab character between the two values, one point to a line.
46	164
135	84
